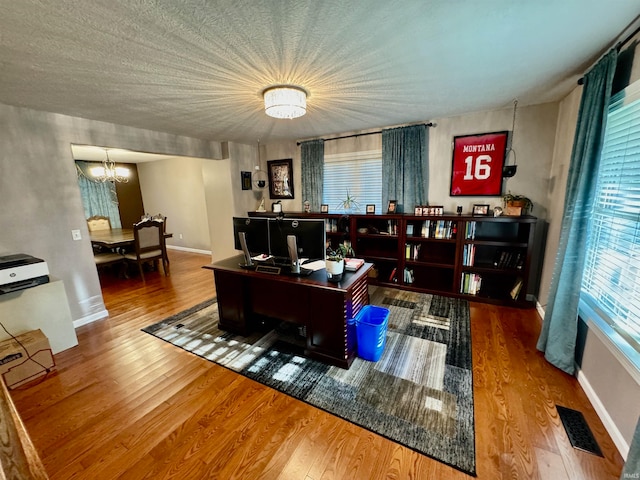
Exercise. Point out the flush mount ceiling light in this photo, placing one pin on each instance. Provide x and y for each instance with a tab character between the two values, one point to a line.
285	101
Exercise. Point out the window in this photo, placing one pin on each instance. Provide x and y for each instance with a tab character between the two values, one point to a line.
359	174
611	282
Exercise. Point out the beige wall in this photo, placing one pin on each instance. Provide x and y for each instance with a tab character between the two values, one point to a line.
175	188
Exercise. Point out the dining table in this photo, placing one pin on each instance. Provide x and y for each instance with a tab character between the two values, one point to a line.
115	237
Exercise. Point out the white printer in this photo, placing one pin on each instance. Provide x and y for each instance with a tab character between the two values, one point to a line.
19	271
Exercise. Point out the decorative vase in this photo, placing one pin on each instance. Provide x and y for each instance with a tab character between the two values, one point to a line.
335	269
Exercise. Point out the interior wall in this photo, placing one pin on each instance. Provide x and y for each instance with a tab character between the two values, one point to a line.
175	188
40	196
533	141
219	198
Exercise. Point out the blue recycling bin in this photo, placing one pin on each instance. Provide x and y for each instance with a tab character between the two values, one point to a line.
371	331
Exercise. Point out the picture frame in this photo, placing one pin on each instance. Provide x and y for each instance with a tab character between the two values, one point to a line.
245	178
280	174
392	206
324	208
480	209
476	164
417	211
371	208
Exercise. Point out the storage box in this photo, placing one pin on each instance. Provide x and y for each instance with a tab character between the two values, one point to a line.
19	366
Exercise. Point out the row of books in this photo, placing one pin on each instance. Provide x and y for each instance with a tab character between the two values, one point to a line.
468	255
470	230
470	283
412	251
408	277
444	229
508	259
331	224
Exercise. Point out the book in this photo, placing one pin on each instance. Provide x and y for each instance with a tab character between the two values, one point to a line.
353	264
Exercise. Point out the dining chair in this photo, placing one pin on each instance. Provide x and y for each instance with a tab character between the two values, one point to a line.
107	259
163	219
149	246
98	222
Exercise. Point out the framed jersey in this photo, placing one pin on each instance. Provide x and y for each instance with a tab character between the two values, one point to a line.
477	164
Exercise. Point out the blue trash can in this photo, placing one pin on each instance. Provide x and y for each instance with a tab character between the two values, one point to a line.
371	330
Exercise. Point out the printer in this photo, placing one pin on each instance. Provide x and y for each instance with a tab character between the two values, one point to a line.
19	271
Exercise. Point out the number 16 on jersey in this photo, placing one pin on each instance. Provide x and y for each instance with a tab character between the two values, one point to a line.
477	164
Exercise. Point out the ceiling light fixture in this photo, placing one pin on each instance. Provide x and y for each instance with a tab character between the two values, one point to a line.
108	172
285	101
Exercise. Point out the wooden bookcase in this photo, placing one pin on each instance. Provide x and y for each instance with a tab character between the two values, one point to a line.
482	258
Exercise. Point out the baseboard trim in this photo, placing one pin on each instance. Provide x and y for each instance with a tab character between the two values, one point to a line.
609	424
186	249
90	318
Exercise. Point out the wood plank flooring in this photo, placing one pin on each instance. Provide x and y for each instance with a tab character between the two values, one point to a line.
124	404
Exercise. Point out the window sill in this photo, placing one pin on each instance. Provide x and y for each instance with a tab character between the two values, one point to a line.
628	357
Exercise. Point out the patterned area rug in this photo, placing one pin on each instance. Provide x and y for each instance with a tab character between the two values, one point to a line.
419	394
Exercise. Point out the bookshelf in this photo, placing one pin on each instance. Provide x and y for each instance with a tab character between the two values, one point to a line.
482	258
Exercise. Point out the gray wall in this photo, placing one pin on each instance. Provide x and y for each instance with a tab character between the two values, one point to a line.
40	197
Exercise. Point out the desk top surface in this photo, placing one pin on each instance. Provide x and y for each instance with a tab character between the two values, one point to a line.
317	278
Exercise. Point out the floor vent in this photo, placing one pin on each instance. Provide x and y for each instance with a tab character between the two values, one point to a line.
578	431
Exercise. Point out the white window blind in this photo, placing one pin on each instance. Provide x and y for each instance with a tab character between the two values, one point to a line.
611	283
359	173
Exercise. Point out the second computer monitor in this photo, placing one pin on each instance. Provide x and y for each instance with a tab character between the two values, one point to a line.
310	237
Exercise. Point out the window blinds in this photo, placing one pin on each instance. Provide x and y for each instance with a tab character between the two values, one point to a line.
611	281
359	174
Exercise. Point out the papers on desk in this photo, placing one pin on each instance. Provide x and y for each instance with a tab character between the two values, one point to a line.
316	265
262	257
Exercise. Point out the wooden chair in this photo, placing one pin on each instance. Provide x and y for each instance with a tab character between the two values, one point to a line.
149	246
162	219
107	259
98	222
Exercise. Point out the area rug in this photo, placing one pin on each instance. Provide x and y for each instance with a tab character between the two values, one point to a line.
419	394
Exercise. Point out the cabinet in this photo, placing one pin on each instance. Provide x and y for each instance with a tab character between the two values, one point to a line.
481	258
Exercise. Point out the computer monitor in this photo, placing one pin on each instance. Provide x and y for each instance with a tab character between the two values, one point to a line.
310	237
256	233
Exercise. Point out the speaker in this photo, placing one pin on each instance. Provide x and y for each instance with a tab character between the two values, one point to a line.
292	245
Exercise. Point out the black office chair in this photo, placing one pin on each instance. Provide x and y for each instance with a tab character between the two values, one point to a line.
149	246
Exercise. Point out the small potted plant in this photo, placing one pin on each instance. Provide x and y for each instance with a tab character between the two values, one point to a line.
516	204
334	262
349	204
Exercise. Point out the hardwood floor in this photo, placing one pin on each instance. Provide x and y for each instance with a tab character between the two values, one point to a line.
123	404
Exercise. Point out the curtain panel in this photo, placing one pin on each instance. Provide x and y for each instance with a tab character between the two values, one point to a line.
559	329
312	165
98	198
405	164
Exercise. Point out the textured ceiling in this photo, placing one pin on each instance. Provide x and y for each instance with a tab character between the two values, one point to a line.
198	68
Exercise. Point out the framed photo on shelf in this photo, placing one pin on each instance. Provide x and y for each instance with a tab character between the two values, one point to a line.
371	208
417	211
280	178
324	208
480	209
391	208
476	166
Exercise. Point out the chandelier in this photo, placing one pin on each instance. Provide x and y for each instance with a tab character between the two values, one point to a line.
108	172
285	101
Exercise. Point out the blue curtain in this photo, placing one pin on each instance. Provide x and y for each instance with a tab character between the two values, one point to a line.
98	198
632	465
405	166
558	336
312	164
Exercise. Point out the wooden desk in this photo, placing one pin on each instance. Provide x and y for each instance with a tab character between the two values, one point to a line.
322	307
116	237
